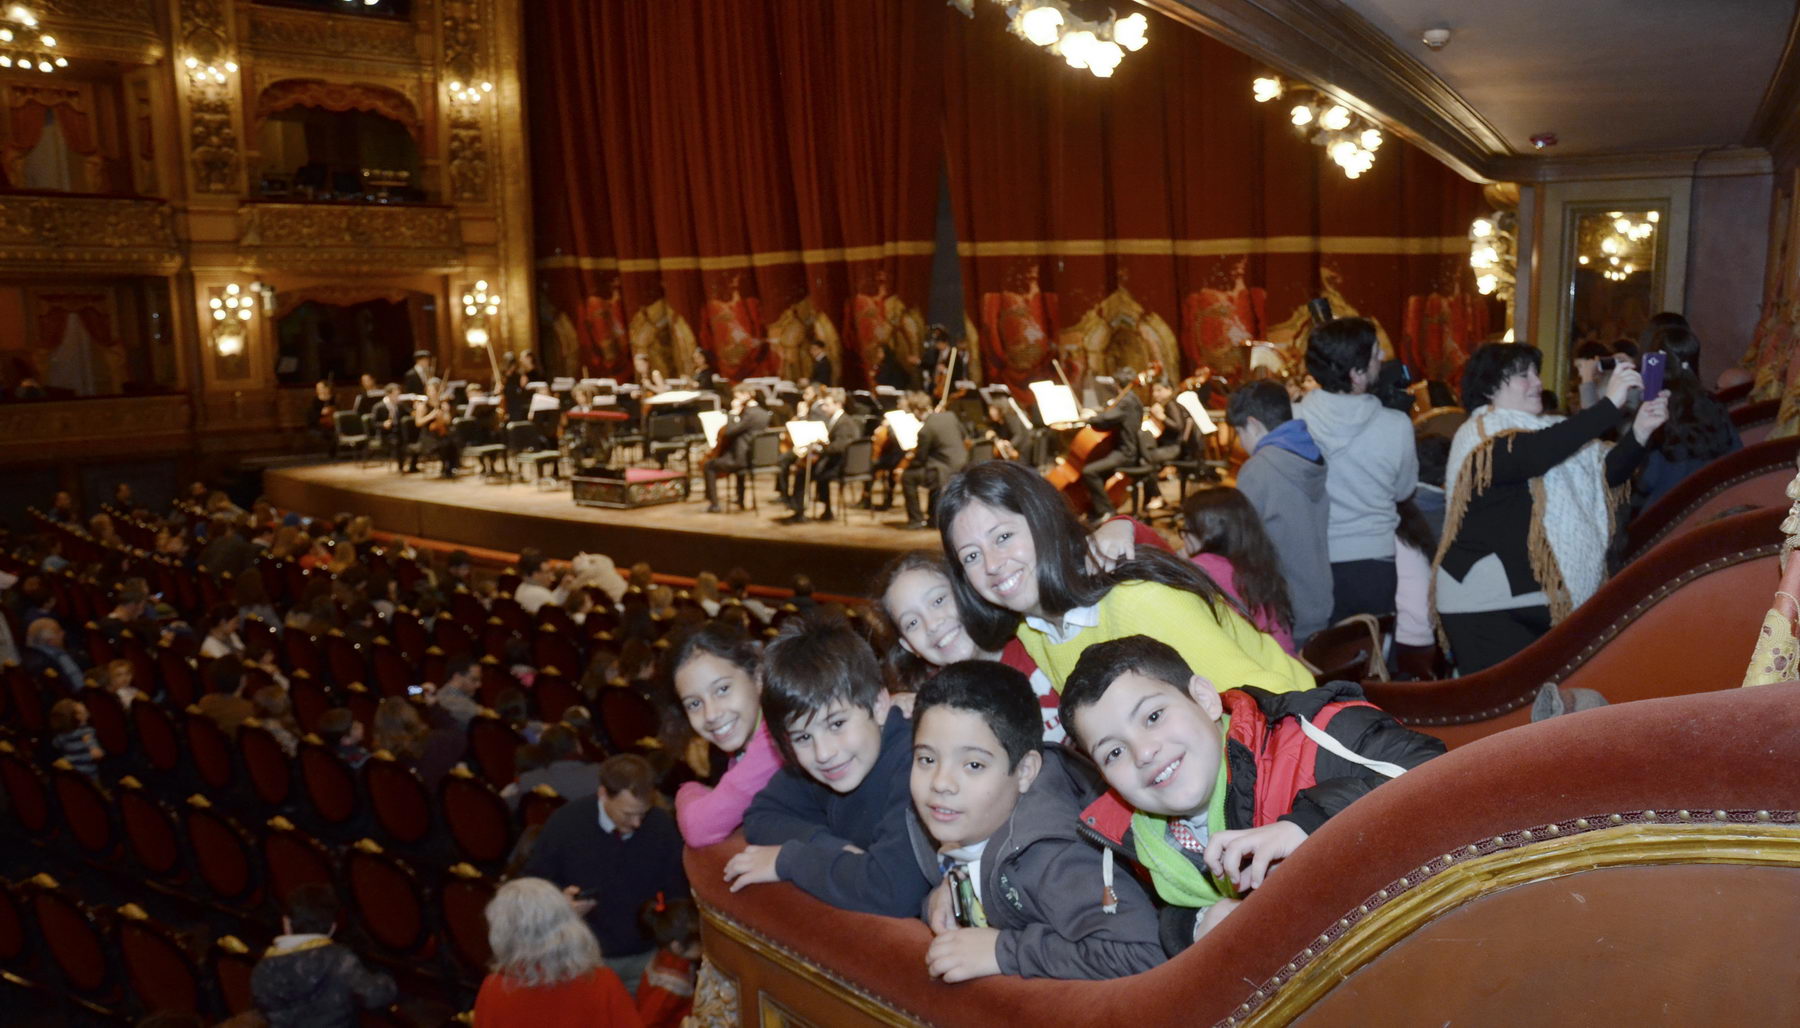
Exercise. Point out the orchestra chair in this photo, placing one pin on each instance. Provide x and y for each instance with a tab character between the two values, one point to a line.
462	901
163	978
27	792
294	858
377	444
352	432
667	434
526	448
479	822
223	853
858	466
388	900
151	831
478	445
765	455
86	810
77	944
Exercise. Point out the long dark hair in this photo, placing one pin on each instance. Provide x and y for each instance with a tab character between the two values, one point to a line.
1222	521
1697	427
1064	578
905	669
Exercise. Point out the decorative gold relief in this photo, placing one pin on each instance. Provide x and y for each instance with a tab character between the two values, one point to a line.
111	30
311	32
465	64
212	136
37	430
78	232
349	237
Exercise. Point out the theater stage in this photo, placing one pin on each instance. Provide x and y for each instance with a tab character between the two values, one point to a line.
676	538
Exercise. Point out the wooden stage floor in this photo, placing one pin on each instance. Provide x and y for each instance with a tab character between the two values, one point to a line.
675	538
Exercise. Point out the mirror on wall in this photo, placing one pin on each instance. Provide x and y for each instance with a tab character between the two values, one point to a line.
1614	270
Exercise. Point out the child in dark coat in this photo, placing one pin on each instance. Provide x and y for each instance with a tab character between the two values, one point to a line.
305	980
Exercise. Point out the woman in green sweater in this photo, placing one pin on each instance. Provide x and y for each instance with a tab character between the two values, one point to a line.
1021	567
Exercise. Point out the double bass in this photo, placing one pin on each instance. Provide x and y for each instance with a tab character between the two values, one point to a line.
1090	443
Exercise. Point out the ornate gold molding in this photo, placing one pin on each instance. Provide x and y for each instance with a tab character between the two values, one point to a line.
349	237
465	60
214	150
1637	839
111	30
82	233
863	1002
38	431
356	41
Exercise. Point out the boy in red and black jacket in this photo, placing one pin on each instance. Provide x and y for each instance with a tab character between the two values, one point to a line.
1209	789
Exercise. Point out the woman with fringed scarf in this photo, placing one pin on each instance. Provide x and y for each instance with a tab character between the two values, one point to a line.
1531	499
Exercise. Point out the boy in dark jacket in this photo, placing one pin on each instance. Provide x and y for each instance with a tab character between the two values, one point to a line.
1000	825
1186	758
307	981
833	820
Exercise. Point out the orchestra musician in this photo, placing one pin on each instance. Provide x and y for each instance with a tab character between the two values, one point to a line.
419	374
367	396
936	356
647	377
481	430
1169	433
942	451
822	374
706	375
516	375
390	420
432	419
1014	426
732	454
320	412
1125	415
828	463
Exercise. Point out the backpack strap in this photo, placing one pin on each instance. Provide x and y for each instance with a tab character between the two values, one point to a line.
1326	742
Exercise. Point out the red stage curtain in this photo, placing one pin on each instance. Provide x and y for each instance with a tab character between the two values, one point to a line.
711	172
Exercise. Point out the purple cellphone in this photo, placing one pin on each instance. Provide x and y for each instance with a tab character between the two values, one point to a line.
1653	374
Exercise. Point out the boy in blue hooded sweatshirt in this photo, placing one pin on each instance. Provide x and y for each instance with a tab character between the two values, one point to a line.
1284	479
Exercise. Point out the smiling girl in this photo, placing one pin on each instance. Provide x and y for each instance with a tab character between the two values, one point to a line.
1019	567
712	673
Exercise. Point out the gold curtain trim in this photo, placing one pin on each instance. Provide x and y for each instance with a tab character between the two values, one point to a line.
767	258
1359	245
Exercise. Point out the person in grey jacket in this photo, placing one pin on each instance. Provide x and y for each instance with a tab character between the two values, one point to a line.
1372	463
1284	479
999	824
305	980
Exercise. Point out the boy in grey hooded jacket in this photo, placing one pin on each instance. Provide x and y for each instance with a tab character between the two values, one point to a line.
1284	479
1371	459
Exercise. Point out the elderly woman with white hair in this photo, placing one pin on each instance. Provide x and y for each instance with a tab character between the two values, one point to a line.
547	971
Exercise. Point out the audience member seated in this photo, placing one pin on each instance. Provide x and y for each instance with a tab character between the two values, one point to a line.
276	715
227	552
224	702
1137	710
1021	566
540	582
1434	453
559	765
118	680
71	738
834	819
1002	833
1698	430
431	750
665	995
1530	505
547	970
44	652
221	640
130	614
612	852
1285	480
456	696
1370	463
344	734
711	675
306	980
1224	536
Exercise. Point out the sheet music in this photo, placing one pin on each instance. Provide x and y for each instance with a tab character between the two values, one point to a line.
1056	403
674	396
543	401
712	422
1191	403
904	427
807	433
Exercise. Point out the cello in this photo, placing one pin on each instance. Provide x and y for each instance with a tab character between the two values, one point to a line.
1090	443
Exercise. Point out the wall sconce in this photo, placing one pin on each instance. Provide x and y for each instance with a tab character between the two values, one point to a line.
470	93
22	46
1493	254
233	306
209	72
478	306
1349	140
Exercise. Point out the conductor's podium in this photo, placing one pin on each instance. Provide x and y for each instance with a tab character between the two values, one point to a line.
1636	864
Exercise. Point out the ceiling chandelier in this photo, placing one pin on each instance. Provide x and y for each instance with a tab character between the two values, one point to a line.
1618	246
1349	139
23	45
1098	46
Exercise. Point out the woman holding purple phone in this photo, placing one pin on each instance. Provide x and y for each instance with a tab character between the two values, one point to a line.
1530	504
1699	428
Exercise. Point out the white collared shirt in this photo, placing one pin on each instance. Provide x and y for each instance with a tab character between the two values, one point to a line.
1074	622
607	825
970	855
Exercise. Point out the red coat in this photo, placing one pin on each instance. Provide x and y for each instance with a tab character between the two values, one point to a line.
665	994
595	1000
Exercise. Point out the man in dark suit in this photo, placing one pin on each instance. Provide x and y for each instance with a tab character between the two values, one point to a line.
419	374
937	353
1125	415
391	418
828	466
822	373
748	417
942	452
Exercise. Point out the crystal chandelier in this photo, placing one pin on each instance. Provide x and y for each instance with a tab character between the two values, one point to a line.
1098	46
24	46
1349	139
1620	249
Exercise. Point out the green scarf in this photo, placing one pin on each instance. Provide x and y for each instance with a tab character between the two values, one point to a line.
1179	880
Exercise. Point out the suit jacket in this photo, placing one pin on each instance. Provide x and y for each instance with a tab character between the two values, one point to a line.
414	382
389	418
735	436
1127	416
843	432
941	445
821	371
